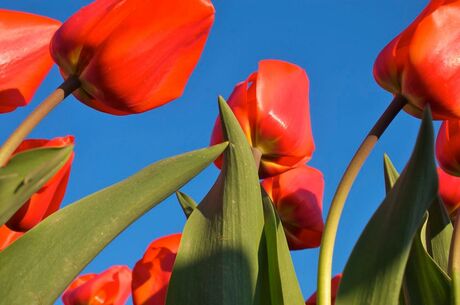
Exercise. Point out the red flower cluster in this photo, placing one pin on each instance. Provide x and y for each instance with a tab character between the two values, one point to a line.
152	273
43	203
48	199
148	281
422	63
132	56
111	287
298	195
272	107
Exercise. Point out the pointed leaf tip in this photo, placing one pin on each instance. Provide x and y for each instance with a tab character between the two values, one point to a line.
67	240
186	202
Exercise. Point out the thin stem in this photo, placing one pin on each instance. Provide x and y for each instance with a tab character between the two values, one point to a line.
454	260
67	87
335	210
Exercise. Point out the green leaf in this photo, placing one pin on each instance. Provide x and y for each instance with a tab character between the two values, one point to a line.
439	233
35	269
375	270
218	258
284	286
25	174
186	202
439	228
426	283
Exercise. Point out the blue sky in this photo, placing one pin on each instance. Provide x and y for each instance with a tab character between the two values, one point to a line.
336	42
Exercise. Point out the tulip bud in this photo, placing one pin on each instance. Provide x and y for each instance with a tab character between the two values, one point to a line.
449	190
48	199
134	55
111	287
448	147
24	56
152	273
7	237
422	63
334	289
273	110
297	195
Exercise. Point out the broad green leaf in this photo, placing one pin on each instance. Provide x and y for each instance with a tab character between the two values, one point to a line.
374	272
186	202
439	228
426	282
391	176
218	258
284	286
36	268
25	174
439	233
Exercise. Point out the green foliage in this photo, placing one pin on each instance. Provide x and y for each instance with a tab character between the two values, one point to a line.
25	174
38	267
426	280
186	202
439	233
375	270
218	258
284	286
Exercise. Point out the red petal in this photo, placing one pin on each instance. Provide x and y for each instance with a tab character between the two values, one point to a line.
111	287
297	195
48	199
132	56
152	273
24	56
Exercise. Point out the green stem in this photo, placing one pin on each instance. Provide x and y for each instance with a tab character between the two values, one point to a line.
454	261
335	210
67	87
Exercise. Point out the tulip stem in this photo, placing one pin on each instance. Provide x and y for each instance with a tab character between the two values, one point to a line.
454	261
66	88
338	202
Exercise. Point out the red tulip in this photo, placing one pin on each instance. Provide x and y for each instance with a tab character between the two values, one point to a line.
133	55
48	199
111	287
152	273
24	56
422	63
448	147
297	195
272	107
334	288
7	237
449	190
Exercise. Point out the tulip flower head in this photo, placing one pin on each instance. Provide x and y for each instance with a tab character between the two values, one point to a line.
334	289
272	107
422	63
297	195
133	55
449	190
448	147
152	273
24	56
7	236
48	199
111	287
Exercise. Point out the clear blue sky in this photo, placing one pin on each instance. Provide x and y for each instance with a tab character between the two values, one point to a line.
335	41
